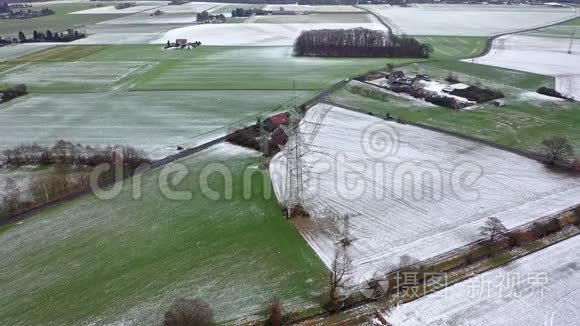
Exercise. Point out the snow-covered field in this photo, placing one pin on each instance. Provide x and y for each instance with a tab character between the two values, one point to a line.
190	7
156	122
314	18
539	289
117	38
146	18
305	8
473	20
410	191
541	55
113	10
254	34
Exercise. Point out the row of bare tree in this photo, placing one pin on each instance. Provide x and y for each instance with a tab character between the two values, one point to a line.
39	190
69	154
71	166
358	42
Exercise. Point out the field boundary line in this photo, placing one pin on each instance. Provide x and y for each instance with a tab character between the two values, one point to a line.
491	39
386	22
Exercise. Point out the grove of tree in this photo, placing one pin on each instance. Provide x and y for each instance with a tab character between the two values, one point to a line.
358	42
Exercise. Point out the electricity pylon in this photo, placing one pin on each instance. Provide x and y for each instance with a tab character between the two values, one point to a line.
295	151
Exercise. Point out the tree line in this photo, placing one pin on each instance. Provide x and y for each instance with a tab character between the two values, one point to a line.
358	42
241	12
50	36
205	17
9	13
72	165
69	154
13	92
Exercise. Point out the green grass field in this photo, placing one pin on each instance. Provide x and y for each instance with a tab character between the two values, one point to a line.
514	78
206	68
522	123
237	68
57	22
72	77
454	47
573	22
124	260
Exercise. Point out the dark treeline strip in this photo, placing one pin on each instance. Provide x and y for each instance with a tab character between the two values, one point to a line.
552	92
50	36
358	42
68	154
478	94
241	12
13	92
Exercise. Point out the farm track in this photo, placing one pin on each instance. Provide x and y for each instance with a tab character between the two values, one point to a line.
490	40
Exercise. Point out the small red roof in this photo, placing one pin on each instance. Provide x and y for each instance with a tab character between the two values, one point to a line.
279	119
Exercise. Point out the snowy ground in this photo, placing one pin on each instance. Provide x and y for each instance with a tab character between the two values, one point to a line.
146	18
539	289
156	122
254	34
308	8
190	7
438	87
314	18
117	38
473	20
411	191
541	55
113	10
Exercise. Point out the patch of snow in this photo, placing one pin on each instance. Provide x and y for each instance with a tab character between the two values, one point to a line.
308	8
540	55
146	18
472	20
534	96
117	38
438	87
113	10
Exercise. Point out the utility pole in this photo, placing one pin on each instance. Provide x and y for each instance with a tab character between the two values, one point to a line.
571	42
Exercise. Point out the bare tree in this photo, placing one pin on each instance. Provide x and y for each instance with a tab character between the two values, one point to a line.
558	149
339	276
12	200
493	229
276	314
407	261
189	312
